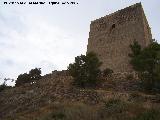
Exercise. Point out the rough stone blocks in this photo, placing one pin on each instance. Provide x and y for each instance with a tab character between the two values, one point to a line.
111	35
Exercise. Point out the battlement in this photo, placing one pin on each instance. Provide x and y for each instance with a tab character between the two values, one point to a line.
126	11
118	18
111	35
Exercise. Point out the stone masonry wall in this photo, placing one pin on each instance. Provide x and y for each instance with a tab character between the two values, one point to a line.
52	88
110	37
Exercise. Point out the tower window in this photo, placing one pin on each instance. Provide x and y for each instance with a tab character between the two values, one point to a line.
113	26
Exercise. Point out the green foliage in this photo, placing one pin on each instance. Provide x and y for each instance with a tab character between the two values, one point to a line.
136	48
85	70
2	87
130	77
147	63
34	74
151	114
23	78
147	80
107	72
116	109
137	97
71	111
115	106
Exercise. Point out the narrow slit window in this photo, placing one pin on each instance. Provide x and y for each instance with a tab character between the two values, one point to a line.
113	26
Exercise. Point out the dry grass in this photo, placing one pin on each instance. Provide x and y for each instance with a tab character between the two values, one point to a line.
113	109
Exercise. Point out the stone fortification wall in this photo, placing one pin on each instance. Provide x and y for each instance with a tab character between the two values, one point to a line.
55	74
110	37
59	88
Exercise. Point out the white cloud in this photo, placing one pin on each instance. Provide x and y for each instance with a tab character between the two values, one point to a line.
40	45
51	36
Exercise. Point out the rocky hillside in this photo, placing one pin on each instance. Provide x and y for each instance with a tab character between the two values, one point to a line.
54	97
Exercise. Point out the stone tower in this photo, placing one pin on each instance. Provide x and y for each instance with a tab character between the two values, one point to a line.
111	35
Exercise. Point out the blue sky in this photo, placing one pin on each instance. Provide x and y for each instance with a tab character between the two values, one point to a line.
50	37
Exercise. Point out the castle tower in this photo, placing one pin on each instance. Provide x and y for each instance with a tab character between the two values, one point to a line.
111	35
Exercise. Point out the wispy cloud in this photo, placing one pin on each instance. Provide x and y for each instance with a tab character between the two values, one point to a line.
51	36
26	43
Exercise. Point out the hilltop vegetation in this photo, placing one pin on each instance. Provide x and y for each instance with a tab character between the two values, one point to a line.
113	109
85	70
147	63
83	92
34	74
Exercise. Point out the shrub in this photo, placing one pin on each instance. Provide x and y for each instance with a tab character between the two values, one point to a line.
146	80
2	87
114	109
147	63
151	114
115	106
129	77
107	72
71	111
23	78
137	97
85	70
34	74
